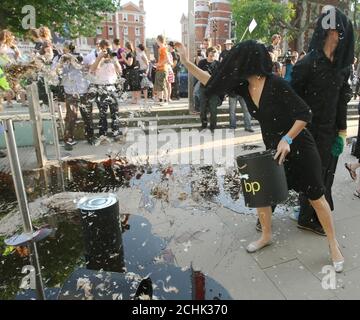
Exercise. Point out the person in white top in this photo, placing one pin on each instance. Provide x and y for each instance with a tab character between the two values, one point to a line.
76	87
106	70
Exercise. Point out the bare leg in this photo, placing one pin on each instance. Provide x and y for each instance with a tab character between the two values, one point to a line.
265	216
145	95
133	96
169	92
323	212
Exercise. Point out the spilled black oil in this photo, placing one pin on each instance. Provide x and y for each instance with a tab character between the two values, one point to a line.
62	253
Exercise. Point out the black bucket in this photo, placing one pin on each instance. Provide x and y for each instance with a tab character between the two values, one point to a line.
102	233
263	180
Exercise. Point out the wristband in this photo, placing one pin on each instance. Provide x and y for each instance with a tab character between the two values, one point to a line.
287	139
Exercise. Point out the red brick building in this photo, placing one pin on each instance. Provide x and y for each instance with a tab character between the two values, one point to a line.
127	24
202	13
219	28
212	20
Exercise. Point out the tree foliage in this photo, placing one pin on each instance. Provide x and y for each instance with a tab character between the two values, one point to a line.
271	17
68	17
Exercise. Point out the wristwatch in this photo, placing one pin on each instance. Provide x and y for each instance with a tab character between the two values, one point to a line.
287	139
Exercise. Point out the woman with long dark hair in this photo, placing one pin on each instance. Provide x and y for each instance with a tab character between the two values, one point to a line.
283	116
132	72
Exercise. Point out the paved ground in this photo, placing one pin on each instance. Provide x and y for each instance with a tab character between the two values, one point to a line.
214	241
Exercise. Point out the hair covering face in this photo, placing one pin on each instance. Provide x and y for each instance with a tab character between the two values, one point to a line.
344	55
245	59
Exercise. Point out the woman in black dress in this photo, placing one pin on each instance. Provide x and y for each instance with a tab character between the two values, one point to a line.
132	72
283	116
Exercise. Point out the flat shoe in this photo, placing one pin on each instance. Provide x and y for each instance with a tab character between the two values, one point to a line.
357	194
252	247
351	172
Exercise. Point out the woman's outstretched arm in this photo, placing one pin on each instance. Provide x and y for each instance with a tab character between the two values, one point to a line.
199	74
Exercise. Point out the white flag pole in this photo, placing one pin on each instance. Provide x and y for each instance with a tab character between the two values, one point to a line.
247	29
250	28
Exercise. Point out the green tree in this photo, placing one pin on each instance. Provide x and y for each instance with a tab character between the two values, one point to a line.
271	17
68	17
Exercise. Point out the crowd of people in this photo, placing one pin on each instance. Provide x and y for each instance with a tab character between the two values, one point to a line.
101	77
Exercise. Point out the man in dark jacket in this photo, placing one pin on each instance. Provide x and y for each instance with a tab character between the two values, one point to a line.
321	79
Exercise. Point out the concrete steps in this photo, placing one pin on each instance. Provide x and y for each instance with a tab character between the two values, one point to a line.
175	116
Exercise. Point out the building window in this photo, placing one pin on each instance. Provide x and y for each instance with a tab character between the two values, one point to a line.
137	18
111	31
137	42
126	31
137	32
125	17
109	17
98	30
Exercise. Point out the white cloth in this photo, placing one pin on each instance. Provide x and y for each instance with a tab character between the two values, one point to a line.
74	80
105	74
90	58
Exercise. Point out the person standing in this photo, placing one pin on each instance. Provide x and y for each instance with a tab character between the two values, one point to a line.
228	46
290	60
106	70
144	70
283	116
175	95
233	99
321	79
76	87
208	102
161	70
132	72
170	80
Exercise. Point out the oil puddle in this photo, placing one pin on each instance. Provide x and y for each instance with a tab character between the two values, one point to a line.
63	265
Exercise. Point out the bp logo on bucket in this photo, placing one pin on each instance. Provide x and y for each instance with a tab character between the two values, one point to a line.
252	187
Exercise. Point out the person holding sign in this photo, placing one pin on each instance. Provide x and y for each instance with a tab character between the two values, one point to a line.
283	116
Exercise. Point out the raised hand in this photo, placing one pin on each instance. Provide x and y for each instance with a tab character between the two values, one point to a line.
182	51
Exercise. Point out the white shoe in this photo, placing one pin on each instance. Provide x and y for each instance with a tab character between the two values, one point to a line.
254	247
339	266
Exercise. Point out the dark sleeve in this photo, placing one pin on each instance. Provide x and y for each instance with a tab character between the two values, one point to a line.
300	76
296	106
344	99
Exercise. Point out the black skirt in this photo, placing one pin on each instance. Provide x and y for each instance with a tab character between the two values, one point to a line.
134	79
303	167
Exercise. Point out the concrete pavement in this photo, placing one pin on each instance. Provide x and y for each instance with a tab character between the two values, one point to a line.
214	239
